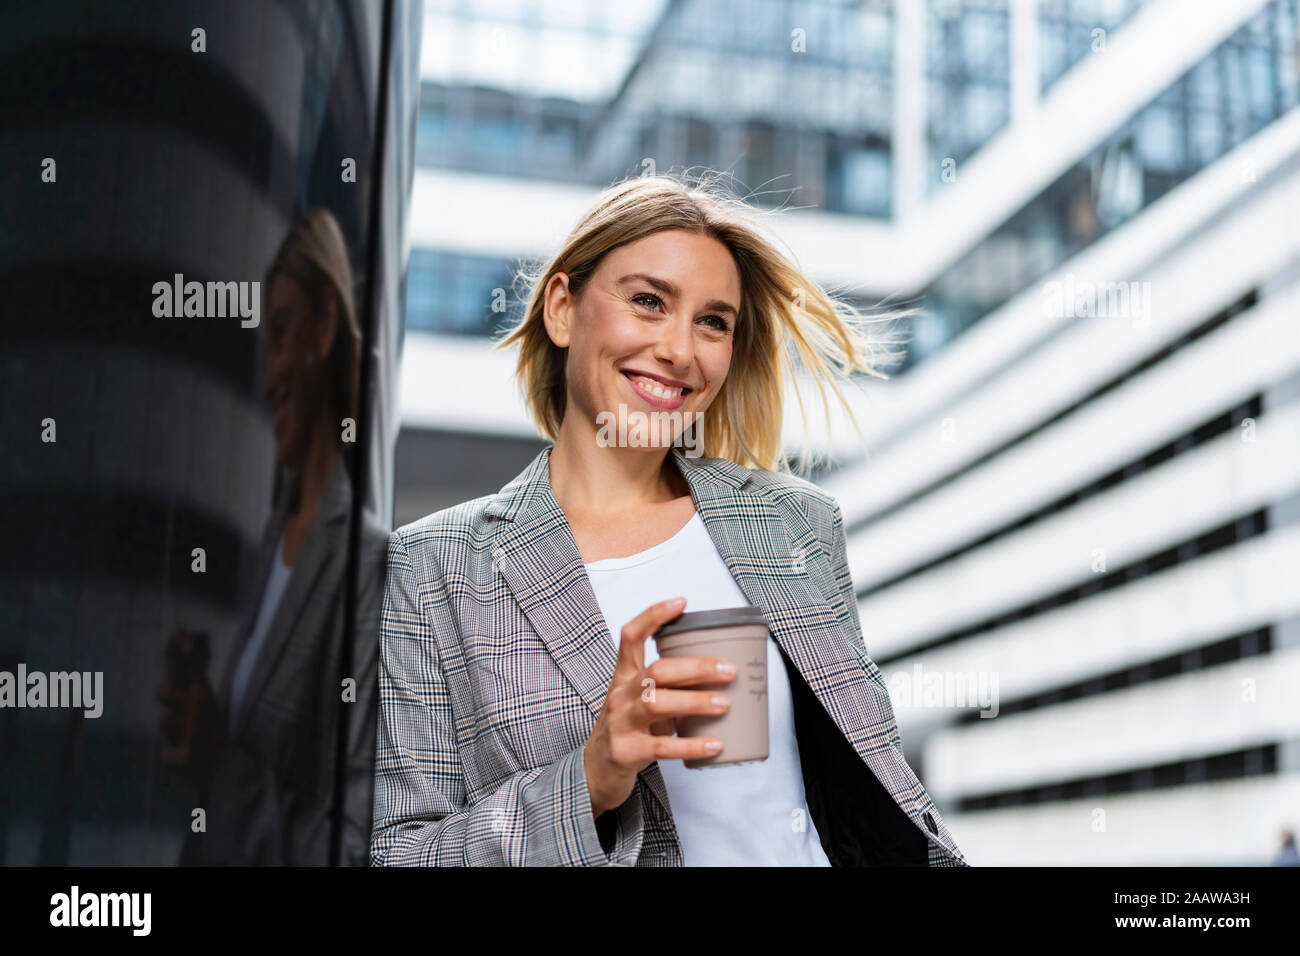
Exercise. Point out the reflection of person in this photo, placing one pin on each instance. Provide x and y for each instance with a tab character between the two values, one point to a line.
1287	854
513	725
262	750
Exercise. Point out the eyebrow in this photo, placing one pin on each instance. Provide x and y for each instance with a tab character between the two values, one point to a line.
667	288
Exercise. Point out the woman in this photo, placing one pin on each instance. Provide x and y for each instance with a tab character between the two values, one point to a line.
261	748
513	727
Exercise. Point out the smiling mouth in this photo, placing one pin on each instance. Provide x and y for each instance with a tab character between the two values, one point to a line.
659	390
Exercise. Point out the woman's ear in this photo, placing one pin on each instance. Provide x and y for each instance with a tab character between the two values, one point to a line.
557	308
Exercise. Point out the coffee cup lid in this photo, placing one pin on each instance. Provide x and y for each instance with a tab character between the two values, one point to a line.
722	617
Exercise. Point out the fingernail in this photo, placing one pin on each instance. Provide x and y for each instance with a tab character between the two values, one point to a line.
726	668
713	746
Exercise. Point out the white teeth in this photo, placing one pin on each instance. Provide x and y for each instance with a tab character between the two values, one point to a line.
654	388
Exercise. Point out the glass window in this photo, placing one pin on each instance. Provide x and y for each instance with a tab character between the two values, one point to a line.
968	55
866	182
450	292
1160	139
1187	127
1066	31
713	66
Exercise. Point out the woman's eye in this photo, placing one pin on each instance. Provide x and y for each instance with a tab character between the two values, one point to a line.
652	301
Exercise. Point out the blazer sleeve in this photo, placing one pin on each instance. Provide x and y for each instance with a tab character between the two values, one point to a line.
536	817
849	595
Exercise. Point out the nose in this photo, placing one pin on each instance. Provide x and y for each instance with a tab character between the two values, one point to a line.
675	345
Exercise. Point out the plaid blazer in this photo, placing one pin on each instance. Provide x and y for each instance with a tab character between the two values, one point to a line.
495	657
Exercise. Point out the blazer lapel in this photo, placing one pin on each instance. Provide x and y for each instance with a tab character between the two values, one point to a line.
539	559
540	562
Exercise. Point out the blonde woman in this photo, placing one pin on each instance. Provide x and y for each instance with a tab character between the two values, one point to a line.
512	726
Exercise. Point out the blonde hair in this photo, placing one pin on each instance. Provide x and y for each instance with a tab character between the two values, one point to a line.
783	316
315	255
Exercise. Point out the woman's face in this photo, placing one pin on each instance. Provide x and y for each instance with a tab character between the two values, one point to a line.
296	382
652	331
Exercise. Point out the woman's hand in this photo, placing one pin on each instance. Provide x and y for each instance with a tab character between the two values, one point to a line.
635	726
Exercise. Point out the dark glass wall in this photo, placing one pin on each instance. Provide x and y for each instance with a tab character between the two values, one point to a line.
202	262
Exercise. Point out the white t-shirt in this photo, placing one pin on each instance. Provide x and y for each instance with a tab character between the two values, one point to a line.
747	814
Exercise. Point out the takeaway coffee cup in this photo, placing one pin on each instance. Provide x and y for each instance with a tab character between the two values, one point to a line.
737	634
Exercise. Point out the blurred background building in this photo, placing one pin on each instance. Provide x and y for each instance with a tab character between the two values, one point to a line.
1081	485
